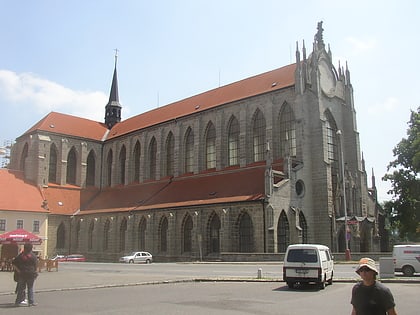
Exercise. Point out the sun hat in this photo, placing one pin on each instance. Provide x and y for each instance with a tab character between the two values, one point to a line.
367	262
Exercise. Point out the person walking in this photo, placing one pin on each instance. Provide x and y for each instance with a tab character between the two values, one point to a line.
26	268
370	297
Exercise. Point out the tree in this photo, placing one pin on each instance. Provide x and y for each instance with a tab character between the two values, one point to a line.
404	208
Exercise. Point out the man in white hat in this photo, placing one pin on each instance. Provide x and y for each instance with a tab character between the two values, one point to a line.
370	297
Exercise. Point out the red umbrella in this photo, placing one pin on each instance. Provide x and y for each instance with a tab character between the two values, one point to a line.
20	236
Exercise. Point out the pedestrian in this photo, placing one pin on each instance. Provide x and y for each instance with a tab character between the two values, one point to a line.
26	269
370	297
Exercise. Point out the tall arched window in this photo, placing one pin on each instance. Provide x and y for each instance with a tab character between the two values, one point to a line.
210	143
189	151
258	135
123	233
107	227
170	154
304	227
214	234
61	236
136	159
163	234
109	169
283	233
71	167
142	234
187	234
233	142
23	157
121	161
90	234
333	158
52	167
246	234
152	158
287	132
90	169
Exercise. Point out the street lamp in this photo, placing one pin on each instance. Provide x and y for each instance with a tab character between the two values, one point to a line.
347	252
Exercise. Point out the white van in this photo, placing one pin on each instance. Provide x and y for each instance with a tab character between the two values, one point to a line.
308	263
406	259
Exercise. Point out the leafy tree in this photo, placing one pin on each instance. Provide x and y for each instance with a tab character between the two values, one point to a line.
404	208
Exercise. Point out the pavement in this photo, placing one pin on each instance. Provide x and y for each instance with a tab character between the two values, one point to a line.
68	279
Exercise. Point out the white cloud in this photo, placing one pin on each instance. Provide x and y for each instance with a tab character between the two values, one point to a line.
46	96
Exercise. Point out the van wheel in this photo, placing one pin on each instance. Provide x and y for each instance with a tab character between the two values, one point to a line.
330	281
408	271
290	285
321	285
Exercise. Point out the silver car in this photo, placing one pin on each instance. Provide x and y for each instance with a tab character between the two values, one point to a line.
137	257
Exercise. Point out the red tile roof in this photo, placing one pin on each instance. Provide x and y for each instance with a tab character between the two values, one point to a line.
244	184
85	128
16	194
70	125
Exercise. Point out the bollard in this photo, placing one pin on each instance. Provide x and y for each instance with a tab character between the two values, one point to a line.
259	274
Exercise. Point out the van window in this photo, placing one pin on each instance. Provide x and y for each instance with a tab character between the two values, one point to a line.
302	255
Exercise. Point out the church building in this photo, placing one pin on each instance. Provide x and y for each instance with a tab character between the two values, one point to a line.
249	167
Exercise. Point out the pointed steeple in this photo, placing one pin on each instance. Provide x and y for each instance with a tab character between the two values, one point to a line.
113	108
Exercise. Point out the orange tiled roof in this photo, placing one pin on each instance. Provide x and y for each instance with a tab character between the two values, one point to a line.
16	194
259	84
70	125
242	184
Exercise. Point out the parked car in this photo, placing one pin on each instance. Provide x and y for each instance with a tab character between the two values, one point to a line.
75	257
59	257
137	257
308	263
406	259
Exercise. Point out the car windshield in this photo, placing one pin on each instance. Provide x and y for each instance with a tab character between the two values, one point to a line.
302	255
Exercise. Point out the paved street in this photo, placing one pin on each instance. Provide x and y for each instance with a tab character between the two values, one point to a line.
93	288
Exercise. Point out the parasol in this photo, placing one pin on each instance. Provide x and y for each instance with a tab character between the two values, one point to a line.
20	236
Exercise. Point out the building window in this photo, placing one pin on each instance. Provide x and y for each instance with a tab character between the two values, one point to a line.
109	169
122	159
210	147
52	170
2	224
258	134
189	151
282	233
287	132
233	142
36	226
19	224
71	167
152	158
170	155
137	152
90	169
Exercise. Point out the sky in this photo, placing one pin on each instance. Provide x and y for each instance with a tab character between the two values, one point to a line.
59	56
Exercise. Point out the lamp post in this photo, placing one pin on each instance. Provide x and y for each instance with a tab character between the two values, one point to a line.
347	252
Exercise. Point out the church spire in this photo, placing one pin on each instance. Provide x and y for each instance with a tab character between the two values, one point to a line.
113	108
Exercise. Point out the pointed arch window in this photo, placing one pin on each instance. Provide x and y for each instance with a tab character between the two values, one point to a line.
61	236
210	147
304	227
170	154
90	169
283	233
52	167
246	234
258	134
233	142
90	234
71	167
123	233
105	240
287	132
109	169
163	234
23	158
187	234
333	157
214	234
121	161
136	159
152	158
142	234
189	151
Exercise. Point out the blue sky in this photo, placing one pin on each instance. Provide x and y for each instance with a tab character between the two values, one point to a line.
59	56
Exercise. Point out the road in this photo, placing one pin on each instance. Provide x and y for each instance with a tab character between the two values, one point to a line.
168	288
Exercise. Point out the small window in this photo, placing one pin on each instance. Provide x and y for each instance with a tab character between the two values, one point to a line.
36	226
2	224
300	188
19	224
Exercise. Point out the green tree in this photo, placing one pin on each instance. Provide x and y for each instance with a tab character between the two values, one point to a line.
404	208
